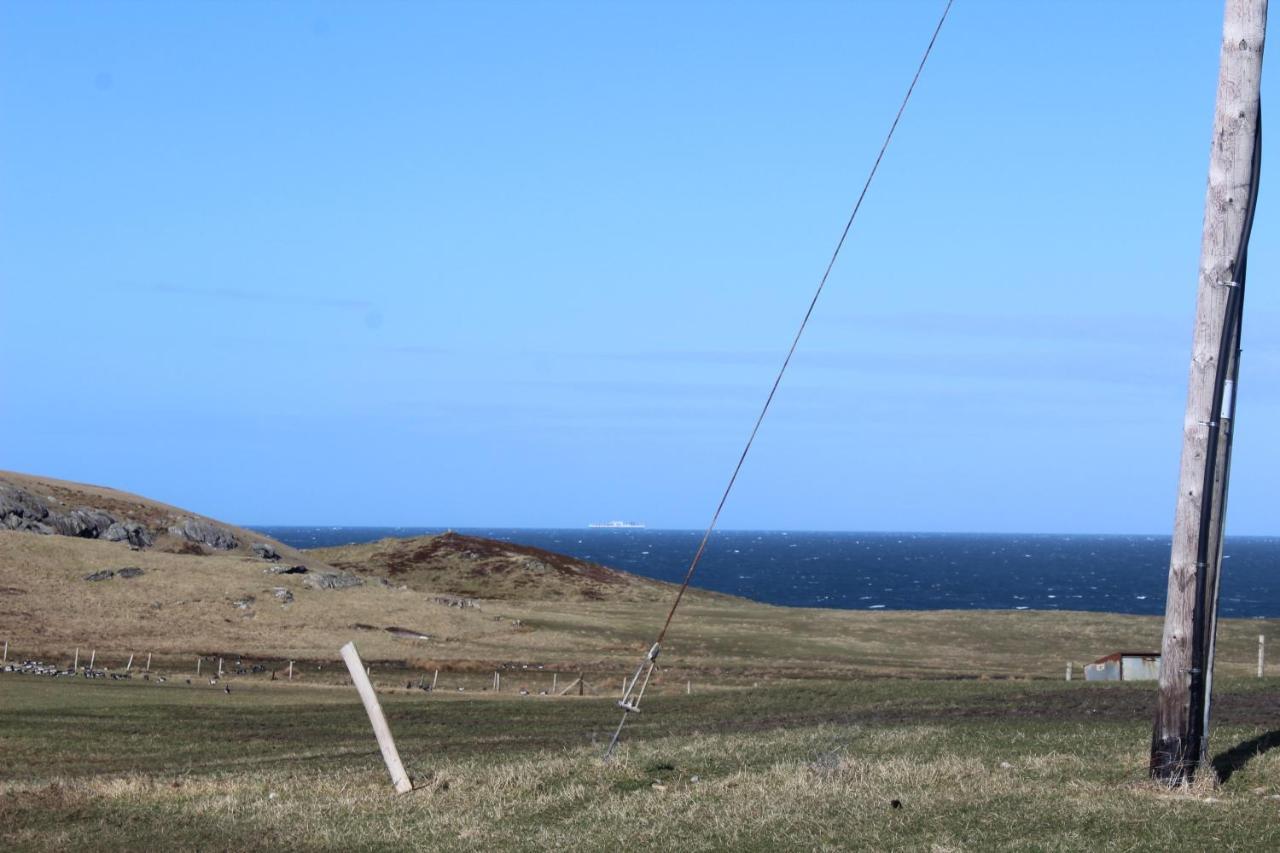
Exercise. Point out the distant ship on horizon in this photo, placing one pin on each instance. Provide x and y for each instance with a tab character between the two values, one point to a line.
618	525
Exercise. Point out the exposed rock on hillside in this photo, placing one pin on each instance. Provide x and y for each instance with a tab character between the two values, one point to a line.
21	509
56	507
204	533
332	580
129	531
85	522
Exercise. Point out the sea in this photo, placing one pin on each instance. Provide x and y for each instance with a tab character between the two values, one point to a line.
893	571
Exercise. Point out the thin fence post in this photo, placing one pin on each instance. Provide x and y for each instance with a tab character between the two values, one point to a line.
553	682
198	659
688	687
381	731
148	661
1068	670
75	667
128	666
219	667
435	675
1262	644
6	652
291	670
93	656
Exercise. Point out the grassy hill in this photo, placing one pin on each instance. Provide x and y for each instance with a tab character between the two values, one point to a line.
485	568
528	609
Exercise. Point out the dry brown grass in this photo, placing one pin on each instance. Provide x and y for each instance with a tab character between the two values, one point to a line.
187	604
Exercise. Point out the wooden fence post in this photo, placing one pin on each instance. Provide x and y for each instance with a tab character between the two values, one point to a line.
434	676
128	666
93	656
381	731
1068	670
291	670
148	661
75	667
198	659
1262	642
553	683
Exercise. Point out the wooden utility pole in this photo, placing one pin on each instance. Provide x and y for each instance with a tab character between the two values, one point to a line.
1179	743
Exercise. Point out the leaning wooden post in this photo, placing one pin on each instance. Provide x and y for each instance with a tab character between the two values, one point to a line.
1179	743
148	661
198	667
128	666
93	655
434	676
1262	644
381	731
553	683
1068	670
6	652
291	670
75	666
219	667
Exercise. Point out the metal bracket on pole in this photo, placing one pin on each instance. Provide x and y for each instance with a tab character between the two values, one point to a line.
630	701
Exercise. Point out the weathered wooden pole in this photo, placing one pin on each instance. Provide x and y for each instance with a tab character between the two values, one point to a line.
198	666
76	665
148	661
1179	741
128	666
93	656
1262	644
291	670
381	731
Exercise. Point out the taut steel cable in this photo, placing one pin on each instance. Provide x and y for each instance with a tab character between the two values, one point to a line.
631	696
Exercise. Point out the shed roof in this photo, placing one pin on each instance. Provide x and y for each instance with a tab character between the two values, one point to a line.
1118	655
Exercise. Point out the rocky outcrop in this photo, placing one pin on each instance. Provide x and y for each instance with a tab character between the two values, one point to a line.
204	533
21	510
84	522
265	551
332	580
107	574
129	531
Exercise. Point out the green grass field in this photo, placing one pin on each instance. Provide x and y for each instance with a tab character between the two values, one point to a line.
973	765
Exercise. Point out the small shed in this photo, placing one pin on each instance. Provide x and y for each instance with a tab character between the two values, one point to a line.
1124	666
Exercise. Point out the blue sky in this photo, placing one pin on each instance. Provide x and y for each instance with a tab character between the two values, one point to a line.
536	264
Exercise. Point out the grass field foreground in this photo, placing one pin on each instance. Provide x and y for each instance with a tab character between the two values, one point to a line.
969	765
